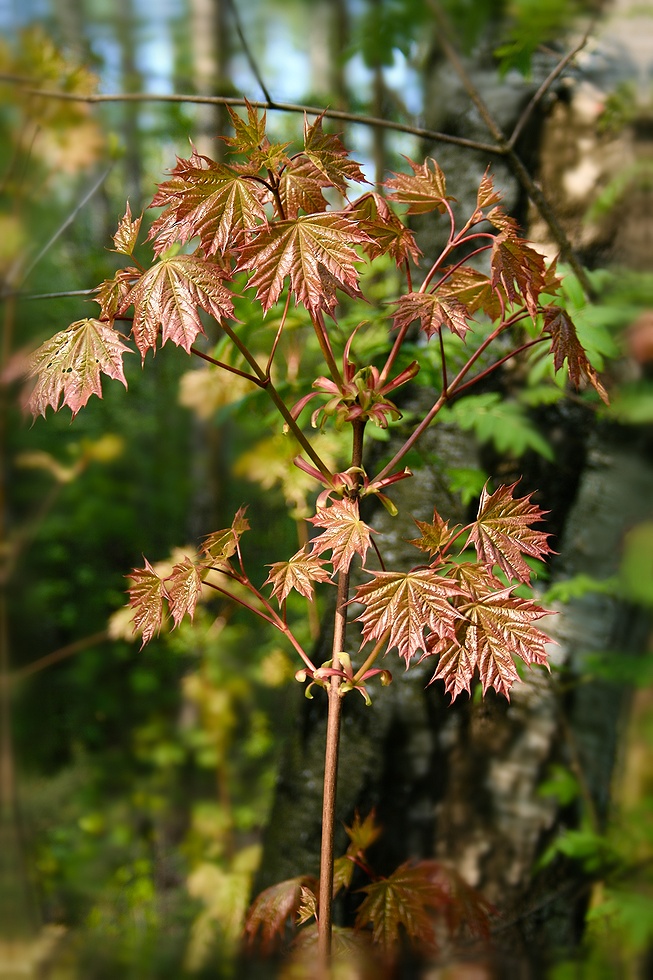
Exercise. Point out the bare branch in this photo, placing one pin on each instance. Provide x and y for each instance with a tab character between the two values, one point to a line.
248	51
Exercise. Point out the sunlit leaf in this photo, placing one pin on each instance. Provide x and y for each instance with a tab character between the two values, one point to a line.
327	153
388	235
146	596
183	588
434	311
70	365
296	250
405	603
435	535
503	533
299	573
423	190
519	269
344	534
168	295
126	236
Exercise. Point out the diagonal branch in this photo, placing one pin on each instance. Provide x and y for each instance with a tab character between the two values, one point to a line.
506	149
248	51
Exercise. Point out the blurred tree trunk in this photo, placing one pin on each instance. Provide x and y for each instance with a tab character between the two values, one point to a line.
461	782
209	34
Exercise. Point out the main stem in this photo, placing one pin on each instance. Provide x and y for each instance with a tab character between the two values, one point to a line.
325	898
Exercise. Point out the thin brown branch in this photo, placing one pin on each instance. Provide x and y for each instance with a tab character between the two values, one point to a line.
545	86
58	655
295	107
248	51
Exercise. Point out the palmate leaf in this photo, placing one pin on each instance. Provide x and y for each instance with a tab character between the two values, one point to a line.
400	905
487	196
70	365
519	269
434	311
221	545
423	190
183	588
273	909
168	295
345	534
327	153
566	346
473	289
298	573
300	188
435	536
206	199
126	236
502	533
110	294
388	234
404	603
298	249
495	627
146	595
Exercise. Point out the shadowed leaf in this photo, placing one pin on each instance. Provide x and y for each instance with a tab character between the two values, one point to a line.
273	910
298	573
434	311
565	345
423	190
126	236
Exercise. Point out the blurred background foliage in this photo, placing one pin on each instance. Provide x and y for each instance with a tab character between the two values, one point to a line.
137	783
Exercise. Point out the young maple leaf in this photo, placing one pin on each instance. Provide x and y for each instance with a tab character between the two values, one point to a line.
405	603
473	289
345	534
403	902
519	269
435	536
183	588
270	911
434	311
300	188
495	627
297	249
298	573
221	545
363	833
327	153
126	236
206	199
168	295
388	234
502	532
70	364
111	293
487	196
423	190
565	344
146	596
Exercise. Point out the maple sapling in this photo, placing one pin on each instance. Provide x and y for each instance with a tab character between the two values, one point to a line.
262	223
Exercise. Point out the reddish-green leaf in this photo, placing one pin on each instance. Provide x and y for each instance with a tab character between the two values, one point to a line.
70	364
249	134
503	532
146	596
434	311
487	196
435	536
111	293
423	190
272	911
400	904
168	295
519	269
345	534
183	588
474	290
388	234
207	199
298	573
504	222
362	833
496	627
566	345
300	188
298	249
405	603
221	545
327	153
126	236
